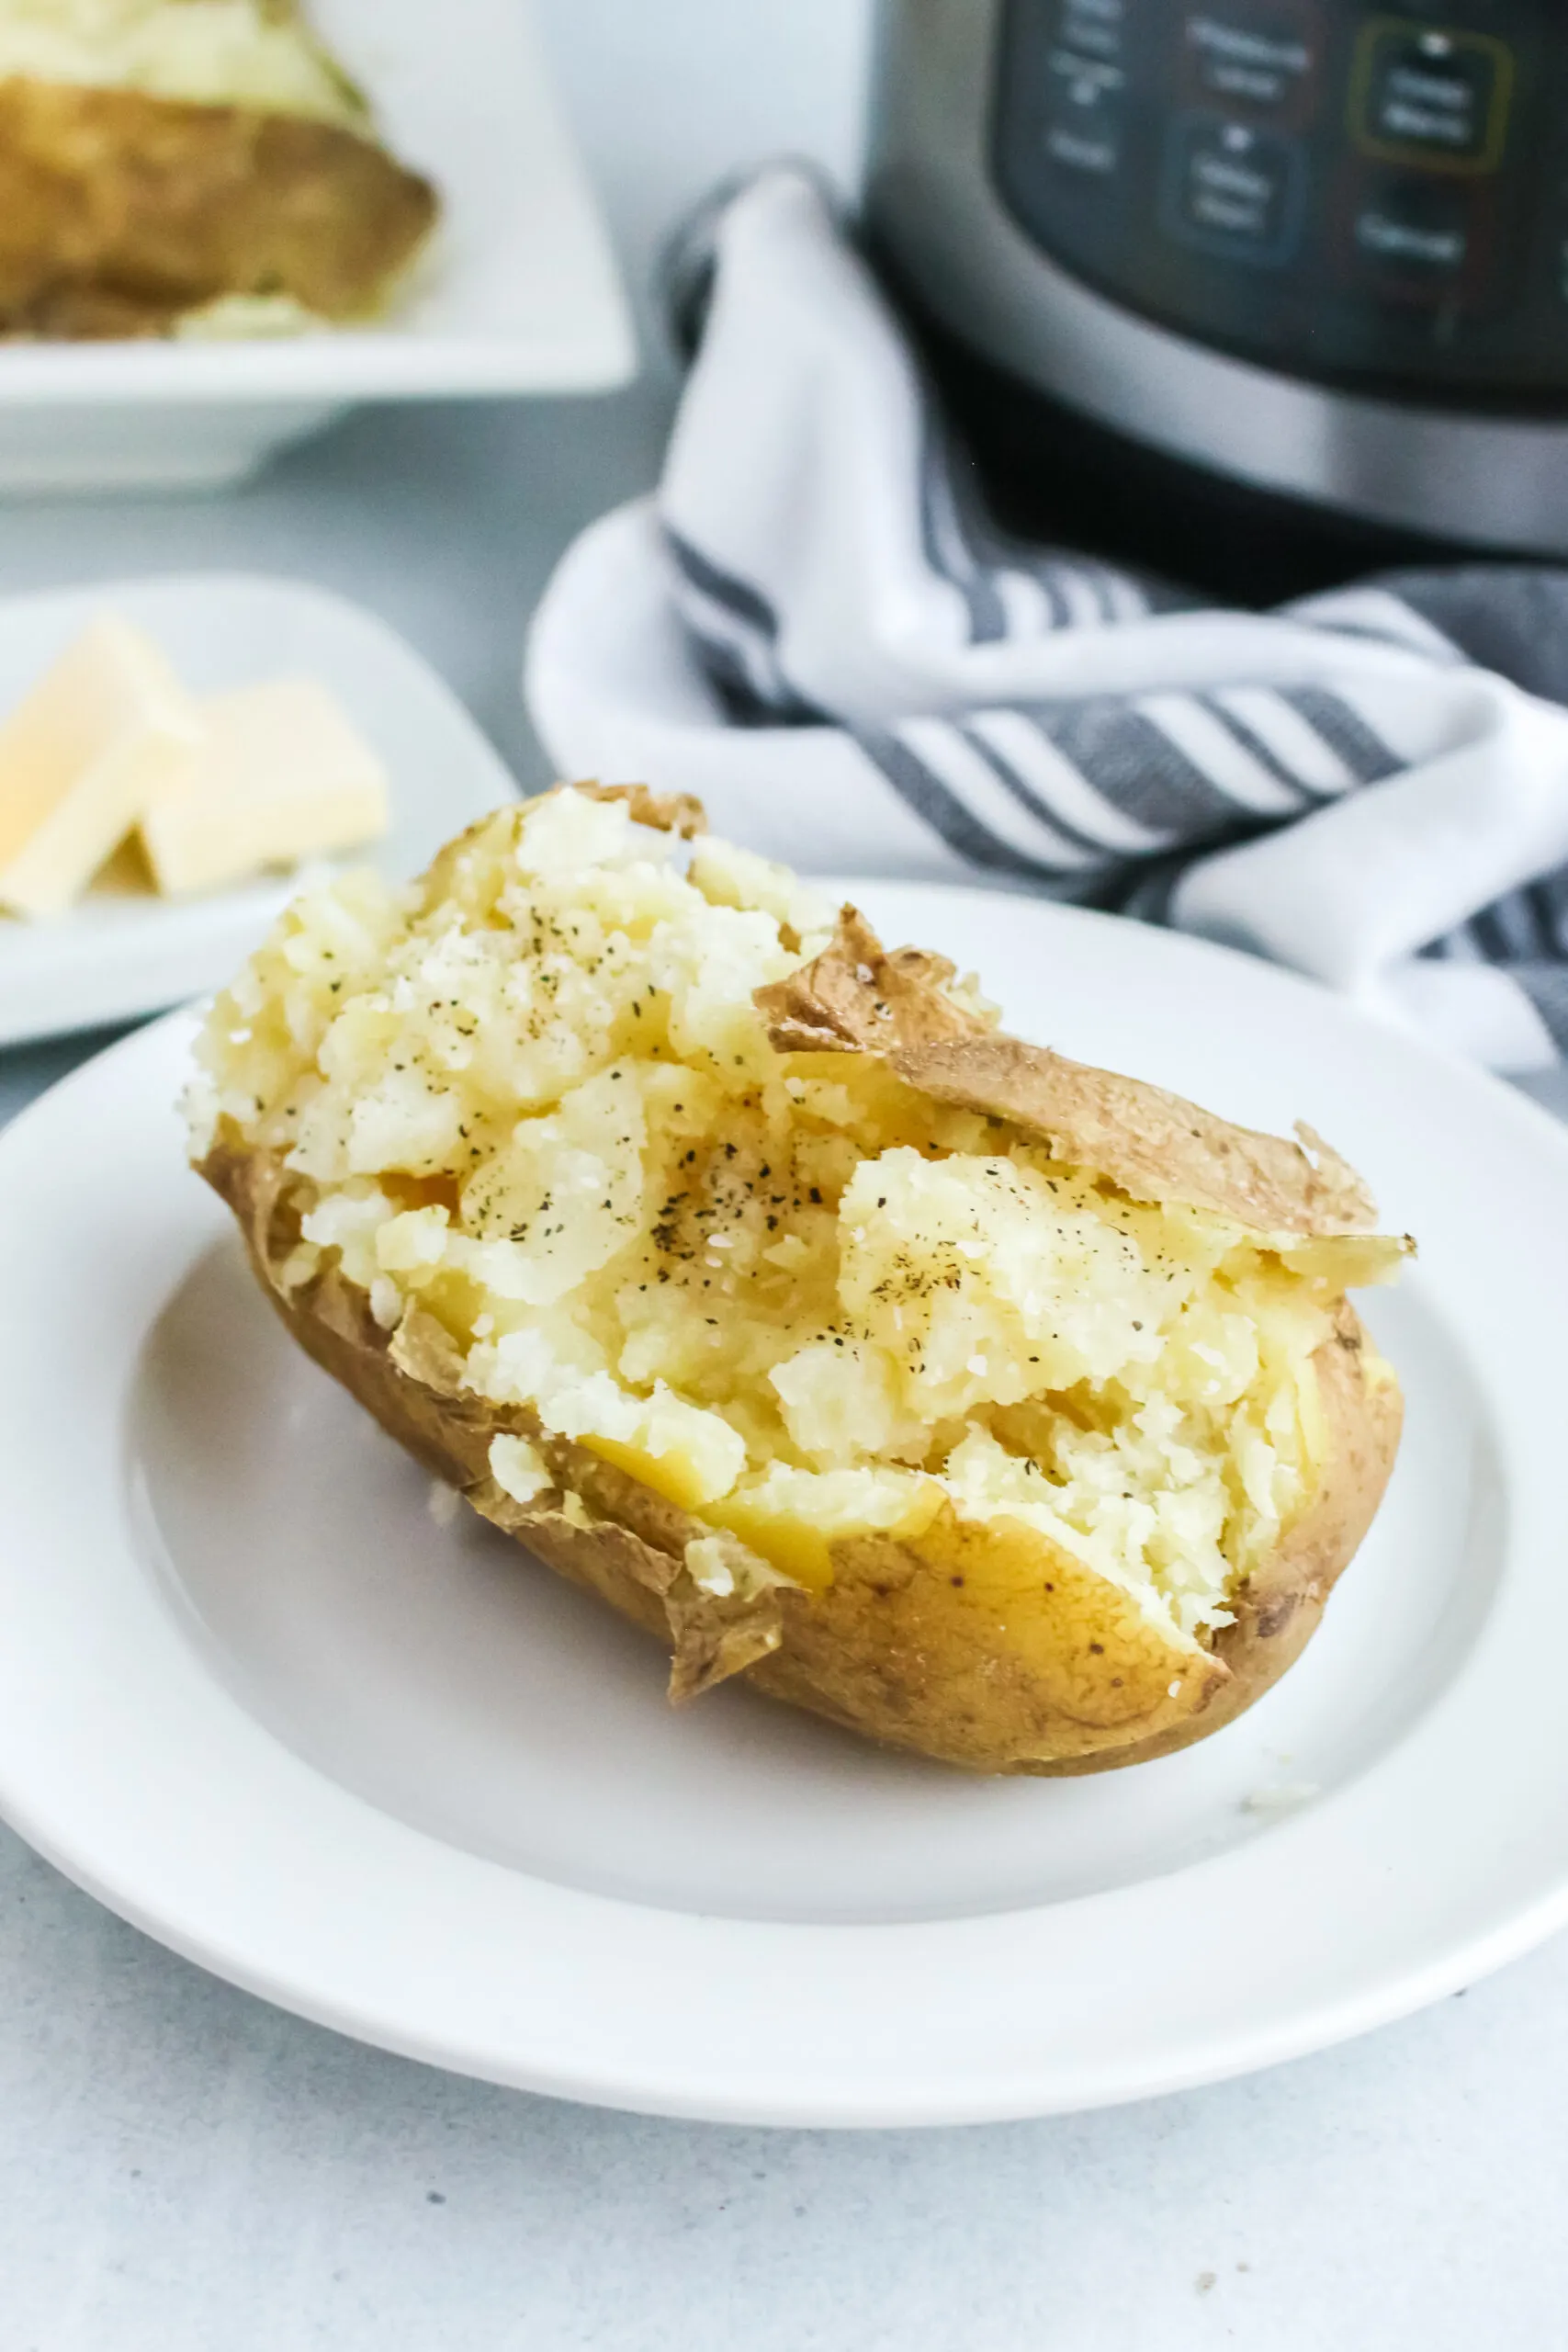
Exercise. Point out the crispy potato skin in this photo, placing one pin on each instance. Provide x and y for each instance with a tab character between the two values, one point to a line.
899	1649
856	998
902	1647
119	211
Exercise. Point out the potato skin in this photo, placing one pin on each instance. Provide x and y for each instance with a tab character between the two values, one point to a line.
1279	1608
119	211
897	1649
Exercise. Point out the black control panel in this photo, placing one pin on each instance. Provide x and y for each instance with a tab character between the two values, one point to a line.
1366	195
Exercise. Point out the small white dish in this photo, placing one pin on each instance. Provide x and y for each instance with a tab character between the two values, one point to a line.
119	954
519	294
357	1755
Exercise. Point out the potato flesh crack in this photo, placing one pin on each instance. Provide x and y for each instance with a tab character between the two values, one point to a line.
535	1096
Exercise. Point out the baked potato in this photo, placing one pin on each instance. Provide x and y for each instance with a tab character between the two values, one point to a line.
990	1405
189	166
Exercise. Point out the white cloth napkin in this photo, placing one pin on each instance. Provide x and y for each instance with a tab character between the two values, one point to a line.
809	627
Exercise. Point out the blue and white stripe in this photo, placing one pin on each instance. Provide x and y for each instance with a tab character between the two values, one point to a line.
1372	784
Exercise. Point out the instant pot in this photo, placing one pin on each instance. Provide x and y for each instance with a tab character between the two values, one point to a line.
1257	289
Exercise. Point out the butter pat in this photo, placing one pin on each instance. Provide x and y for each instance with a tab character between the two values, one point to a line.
99	738
280	776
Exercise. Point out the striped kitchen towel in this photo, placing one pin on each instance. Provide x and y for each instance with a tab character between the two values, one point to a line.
811	626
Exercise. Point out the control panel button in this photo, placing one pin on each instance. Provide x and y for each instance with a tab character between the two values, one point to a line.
1415	237
1250	55
1092	28
1233	189
1082	128
1429	95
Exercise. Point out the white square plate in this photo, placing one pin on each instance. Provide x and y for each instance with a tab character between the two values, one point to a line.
117	955
521	293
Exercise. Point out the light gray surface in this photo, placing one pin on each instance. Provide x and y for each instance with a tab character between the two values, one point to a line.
184	2170
669	98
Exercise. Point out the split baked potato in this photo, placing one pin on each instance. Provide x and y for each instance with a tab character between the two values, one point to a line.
988	1404
194	166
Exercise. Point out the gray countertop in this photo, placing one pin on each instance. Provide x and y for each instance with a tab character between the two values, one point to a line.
183	2168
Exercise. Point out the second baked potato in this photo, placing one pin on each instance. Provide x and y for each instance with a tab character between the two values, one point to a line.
991	1406
167	162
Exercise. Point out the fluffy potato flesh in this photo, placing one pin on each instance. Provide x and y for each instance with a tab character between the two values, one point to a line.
194	165
920	1421
258	53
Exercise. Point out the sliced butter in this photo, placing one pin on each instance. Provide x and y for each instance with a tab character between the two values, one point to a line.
102	735
281	776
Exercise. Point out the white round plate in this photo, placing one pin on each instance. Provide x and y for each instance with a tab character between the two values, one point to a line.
358	1756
